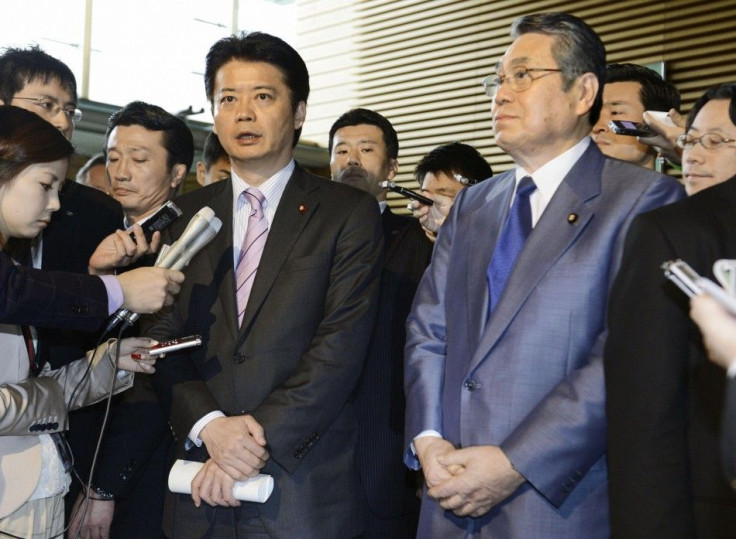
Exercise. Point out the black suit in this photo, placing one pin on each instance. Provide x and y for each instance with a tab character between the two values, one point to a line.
53	299
294	362
86	217
728	437
389	486
664	398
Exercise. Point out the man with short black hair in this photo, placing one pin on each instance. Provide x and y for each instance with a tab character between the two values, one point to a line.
664	398
149	152
364	150
215	164
441	174
284	298
629	90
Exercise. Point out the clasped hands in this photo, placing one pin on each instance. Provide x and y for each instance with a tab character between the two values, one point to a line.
470	481
237	448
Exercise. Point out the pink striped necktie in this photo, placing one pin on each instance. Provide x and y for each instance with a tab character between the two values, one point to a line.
251	250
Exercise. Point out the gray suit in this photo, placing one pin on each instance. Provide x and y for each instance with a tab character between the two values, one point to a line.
530	378
38	405
292	364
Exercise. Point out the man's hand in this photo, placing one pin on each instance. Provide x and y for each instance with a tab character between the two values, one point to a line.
432	217
667	132
146	290
237	445
119	250
718	328
97	520
483	478
213	486
429	449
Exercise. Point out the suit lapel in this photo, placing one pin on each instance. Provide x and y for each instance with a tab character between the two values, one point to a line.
551	237
220	259
297	205
481	234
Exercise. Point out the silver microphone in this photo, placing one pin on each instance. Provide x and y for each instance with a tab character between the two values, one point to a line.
186	255
198	225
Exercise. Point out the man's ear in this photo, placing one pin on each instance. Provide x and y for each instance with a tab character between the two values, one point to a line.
178	173
393	169
300	115
587	87
200	173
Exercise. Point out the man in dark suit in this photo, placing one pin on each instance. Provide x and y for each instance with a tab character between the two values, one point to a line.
284	299
664	399
718	327
504	375
363	153
149	152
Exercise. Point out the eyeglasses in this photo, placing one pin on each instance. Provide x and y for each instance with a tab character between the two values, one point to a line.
518	79
709	141
52	107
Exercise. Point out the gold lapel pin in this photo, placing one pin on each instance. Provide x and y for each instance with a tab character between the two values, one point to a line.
302	209
572	218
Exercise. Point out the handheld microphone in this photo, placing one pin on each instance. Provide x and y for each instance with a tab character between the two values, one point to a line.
198	225
391	186
186	256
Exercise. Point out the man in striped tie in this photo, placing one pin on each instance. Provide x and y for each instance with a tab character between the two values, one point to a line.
284	298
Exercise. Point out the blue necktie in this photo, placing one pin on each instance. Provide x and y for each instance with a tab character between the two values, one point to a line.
511	241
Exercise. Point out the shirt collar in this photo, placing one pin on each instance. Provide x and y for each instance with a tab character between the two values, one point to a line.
272	188
549	177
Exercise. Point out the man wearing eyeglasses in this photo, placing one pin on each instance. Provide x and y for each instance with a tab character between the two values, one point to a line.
504	374
664	398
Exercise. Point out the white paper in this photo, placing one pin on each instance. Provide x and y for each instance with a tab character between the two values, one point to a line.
255	489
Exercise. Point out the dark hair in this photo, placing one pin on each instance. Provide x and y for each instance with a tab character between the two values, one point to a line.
577	49
454	158
260	47
722	91
369	117
177	138
97	159
212	151
18	67
27	139
655	93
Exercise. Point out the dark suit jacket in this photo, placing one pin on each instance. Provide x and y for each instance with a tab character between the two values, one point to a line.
389	486
664	398
294	362
86	217
728	437
55	299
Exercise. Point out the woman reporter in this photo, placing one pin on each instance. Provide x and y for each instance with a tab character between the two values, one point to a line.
33	402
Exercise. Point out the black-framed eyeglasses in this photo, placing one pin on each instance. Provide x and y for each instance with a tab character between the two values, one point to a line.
709	141
52	107
518	79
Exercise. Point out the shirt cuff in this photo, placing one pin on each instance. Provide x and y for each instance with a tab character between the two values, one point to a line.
193	437
114	292
432	433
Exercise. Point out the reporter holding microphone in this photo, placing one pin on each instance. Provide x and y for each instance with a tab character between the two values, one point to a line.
33	401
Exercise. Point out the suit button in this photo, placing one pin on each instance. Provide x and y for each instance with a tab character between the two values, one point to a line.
238	358
471	385
54	426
